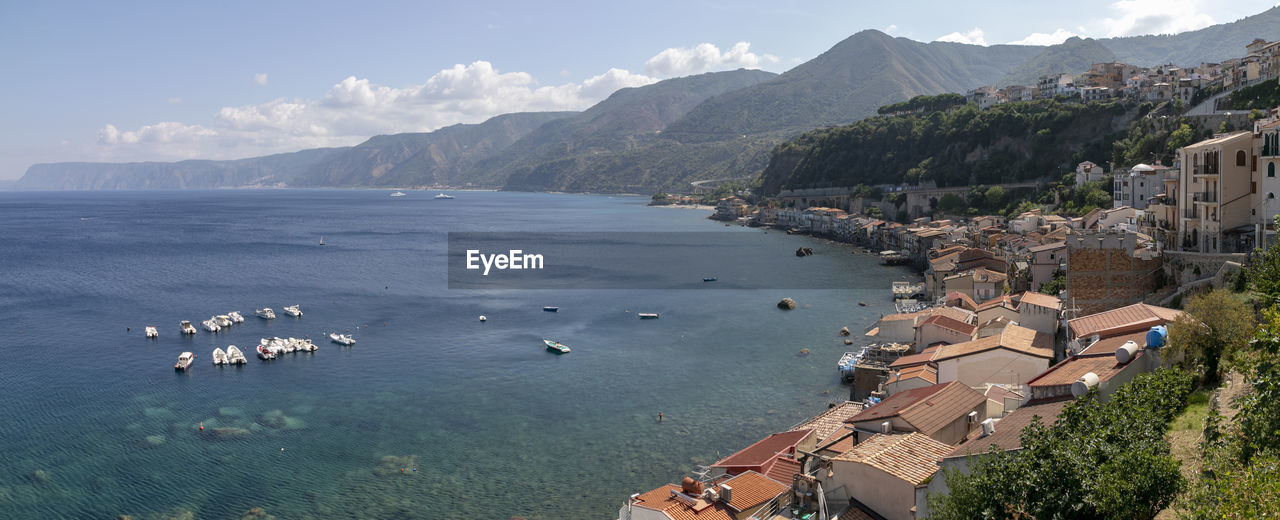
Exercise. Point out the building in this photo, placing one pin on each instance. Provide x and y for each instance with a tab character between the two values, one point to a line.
943	329
1138	317
1046	259
762	456
981	284
1087	172
945	412
1107	269
1215	198
1137	186
1012	357
887	474
736	498
1266	146
1040	312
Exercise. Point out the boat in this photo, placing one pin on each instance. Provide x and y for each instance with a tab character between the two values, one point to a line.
234	356
848	362
709	279
187	328
223	320
219	357
443	196
482	318
210	325
648	315
152	332
342	339
235	316
551	309
556	346
184	361
265	353
265	313
398	194
321	240
292	310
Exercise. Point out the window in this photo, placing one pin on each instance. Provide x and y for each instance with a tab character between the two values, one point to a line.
1241	160
1271	169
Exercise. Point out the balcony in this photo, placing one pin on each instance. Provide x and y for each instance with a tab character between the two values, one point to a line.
1205	196
1204	169
1191	213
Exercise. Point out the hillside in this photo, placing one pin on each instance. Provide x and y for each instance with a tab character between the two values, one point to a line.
1072	56
628	123
421	159
271	170
1211	44
1010	142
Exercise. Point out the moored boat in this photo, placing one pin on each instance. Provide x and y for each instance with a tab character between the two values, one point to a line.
187	328
556	346
292	310
549	308
235	356
152	332
265	353
219	357
235	317
443	196
648	315
342	339
265	313
223	320
184	361
210	325
398	194
709	279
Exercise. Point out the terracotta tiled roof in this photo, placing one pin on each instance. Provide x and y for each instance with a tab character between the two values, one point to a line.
1069	370
927	409
904	316
831	420
912	457
1109	345
955	313
1013	337
999	393
1008	434
924	372
838	442
949	324
1047	247
751	489
756	455
781	469
1138	316
1003	301
923	357
1040	300
858	511
961	300
663	500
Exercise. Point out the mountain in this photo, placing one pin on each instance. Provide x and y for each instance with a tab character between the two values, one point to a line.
563	154
1074	55
1213	44
422	159
271	170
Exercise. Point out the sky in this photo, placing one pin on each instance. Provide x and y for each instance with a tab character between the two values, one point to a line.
127	81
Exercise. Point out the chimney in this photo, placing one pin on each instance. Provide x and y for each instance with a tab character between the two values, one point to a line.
726	493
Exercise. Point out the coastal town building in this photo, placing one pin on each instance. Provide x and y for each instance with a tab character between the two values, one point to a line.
1012	357
887	473
1216	188
1045	261
944	411
1087	172
1136	186
1040	312
765	454
1108	269
736	498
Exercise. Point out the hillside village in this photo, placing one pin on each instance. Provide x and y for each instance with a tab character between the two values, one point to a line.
1015	318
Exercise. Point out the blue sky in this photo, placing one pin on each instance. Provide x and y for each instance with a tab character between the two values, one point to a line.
129	81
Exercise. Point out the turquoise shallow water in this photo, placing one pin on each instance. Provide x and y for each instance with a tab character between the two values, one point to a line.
97	423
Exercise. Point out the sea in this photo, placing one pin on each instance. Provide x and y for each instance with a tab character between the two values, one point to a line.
432	414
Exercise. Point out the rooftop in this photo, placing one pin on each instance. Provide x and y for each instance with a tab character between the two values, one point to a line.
751	489
949	324
1138	316
1110	344
923	357
1041	300
1013	337
678	507
830	420
1047	247
927	409
760	453
1008	432
912	457
1069	370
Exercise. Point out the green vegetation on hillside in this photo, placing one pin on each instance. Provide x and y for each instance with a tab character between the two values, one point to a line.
1263	96
924	104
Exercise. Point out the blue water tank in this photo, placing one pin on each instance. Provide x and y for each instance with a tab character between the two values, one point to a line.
1156	336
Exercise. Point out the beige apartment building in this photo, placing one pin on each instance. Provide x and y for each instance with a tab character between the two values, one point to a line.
1216	199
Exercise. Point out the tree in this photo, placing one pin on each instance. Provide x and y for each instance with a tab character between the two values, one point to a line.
951	203
1216	325
995	196
1181	137
1264	273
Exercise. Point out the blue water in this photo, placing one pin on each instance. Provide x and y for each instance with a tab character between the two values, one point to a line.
484	422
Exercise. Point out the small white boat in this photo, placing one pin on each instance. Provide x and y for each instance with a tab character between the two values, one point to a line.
292	310
443	196
648	315
219	357
265	353
210	325
223	320
398	194
184	361
152	332
550	308
265	313
234	356
187	328
482	318
235	317
342	339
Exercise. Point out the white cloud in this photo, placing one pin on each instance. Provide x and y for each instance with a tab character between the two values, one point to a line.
260	78
1058	36
890	29
1135	17
973	37
353	109
683	61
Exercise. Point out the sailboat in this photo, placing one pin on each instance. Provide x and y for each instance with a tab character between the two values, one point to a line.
321	240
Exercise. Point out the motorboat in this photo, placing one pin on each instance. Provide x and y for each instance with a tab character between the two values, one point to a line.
184	361
483	318
551	309
342	339
292	310
219	357
709	279
398	194
265	353
152	332
556	346
265	313
223	320
235	317
210	325
648	315
234	356
187	328
443	196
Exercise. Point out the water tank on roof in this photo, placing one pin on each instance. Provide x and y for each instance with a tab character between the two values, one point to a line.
1082	386
1156	336
1126	352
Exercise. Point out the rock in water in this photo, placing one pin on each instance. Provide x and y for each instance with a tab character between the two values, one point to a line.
787	304
844	331
848	341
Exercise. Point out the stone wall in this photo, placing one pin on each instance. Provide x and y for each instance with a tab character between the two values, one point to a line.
1104	272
